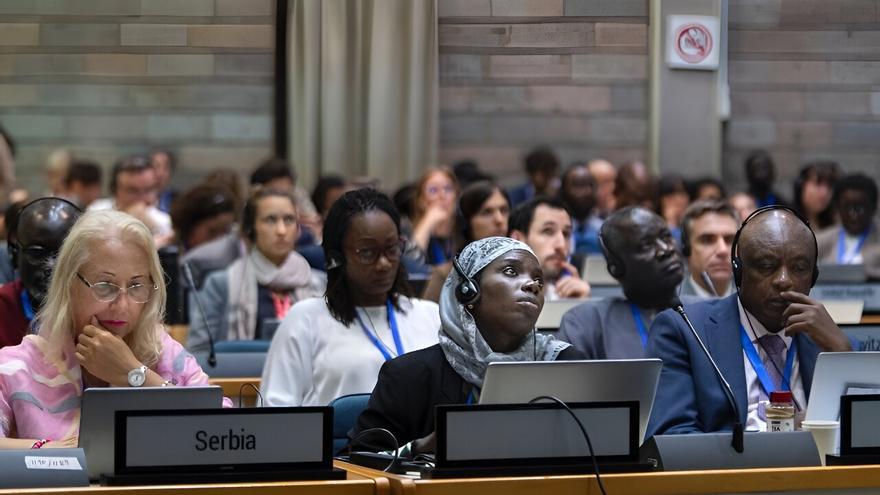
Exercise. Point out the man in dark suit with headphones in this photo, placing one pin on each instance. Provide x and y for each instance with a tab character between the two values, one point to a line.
764	338
40	229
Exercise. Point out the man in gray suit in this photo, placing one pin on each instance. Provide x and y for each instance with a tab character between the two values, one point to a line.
641	255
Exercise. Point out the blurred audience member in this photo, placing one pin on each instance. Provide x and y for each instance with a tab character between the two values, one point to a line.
604	174
134	187
813	189
578	192
328	189
57	166
634	186
641	255
230	180
277	173
249	299
743	203
545	225
7	164
202	214
433	231
707	230
707	188
40	230
542	167
761	174
467	172
10	218
83	182
856	240
672	199
164	163
484	210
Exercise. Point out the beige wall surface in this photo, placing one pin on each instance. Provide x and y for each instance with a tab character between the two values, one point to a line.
571	74
805	84
109	77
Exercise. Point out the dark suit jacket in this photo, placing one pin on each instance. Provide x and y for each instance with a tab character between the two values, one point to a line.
690	398
409	388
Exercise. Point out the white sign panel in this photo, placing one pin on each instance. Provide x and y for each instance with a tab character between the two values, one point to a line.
692	42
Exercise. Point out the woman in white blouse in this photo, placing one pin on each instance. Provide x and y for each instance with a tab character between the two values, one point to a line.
330	347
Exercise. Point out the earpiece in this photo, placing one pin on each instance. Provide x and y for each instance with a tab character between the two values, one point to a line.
468	291
334	260
736	263
615	265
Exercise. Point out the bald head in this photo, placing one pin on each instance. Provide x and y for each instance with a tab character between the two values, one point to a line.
777	252
642	256
42	227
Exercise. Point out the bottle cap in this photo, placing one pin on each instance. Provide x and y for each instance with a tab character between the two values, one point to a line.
781	396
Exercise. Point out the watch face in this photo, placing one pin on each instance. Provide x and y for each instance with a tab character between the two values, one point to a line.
137	377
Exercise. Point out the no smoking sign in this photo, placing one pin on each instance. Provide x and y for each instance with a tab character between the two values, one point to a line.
692	42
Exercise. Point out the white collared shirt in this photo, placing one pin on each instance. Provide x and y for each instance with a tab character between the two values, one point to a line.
850	255
753	385
701	292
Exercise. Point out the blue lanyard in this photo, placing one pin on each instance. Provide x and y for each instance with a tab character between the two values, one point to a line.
470	398
758	365
392	322
637	316
841	246
26	305
438	254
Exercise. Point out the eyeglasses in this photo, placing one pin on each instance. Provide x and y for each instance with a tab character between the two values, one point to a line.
107	292
370	255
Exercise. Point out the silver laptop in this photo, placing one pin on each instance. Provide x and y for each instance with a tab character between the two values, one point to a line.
99	406
575	381
832	273
551	315
596	271
841	373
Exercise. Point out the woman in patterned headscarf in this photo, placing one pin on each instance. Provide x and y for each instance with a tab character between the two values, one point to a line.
488	309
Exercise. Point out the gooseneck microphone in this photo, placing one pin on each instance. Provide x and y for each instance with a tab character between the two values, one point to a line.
737	441
187	273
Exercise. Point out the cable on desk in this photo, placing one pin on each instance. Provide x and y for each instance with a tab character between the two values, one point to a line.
583	431
388	433
241	392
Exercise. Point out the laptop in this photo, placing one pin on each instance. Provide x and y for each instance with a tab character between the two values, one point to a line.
832	273
596	271
99	406
551	315
841	373
575	381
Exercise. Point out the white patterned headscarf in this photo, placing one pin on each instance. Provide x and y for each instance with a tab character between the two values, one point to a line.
463	345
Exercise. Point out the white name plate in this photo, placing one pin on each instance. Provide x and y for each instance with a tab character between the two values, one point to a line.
223	438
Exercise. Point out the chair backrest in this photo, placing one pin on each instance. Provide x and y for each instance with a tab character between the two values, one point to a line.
346	410
233	346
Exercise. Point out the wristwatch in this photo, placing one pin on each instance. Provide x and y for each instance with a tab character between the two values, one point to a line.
137	376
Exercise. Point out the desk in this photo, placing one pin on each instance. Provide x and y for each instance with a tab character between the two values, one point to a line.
232	386
356	484
865	479
872	319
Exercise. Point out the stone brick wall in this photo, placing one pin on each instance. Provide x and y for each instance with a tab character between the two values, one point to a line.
805	84
109	77
571	74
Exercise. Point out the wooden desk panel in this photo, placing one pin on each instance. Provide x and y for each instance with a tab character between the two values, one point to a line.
817	479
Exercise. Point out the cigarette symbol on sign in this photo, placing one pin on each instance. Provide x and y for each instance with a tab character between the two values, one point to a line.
693	43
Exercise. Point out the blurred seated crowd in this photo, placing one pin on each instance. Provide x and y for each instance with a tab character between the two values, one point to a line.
362	273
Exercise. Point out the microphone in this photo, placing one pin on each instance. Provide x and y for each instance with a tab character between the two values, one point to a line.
737	441
190	280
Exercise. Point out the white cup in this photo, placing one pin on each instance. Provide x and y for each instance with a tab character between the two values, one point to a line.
826	434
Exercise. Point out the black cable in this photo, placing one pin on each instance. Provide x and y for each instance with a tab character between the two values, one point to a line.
241	390
583	431
383	430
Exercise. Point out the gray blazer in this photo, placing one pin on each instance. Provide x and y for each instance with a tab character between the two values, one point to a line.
827	241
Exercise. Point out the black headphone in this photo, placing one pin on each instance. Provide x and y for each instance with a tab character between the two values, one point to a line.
468	291
615	265
686	239
13	247
736	262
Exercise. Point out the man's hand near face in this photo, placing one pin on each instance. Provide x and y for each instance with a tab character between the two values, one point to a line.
808	316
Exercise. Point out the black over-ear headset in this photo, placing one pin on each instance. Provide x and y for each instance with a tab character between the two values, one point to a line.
468	291
736	262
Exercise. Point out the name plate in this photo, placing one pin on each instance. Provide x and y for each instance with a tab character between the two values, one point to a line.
868	292
223	440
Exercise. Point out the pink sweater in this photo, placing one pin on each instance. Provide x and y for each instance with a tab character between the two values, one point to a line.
41	398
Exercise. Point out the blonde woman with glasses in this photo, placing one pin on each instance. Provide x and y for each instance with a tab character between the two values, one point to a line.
100	326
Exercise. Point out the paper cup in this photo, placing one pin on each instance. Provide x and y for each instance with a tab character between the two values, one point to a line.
826	434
